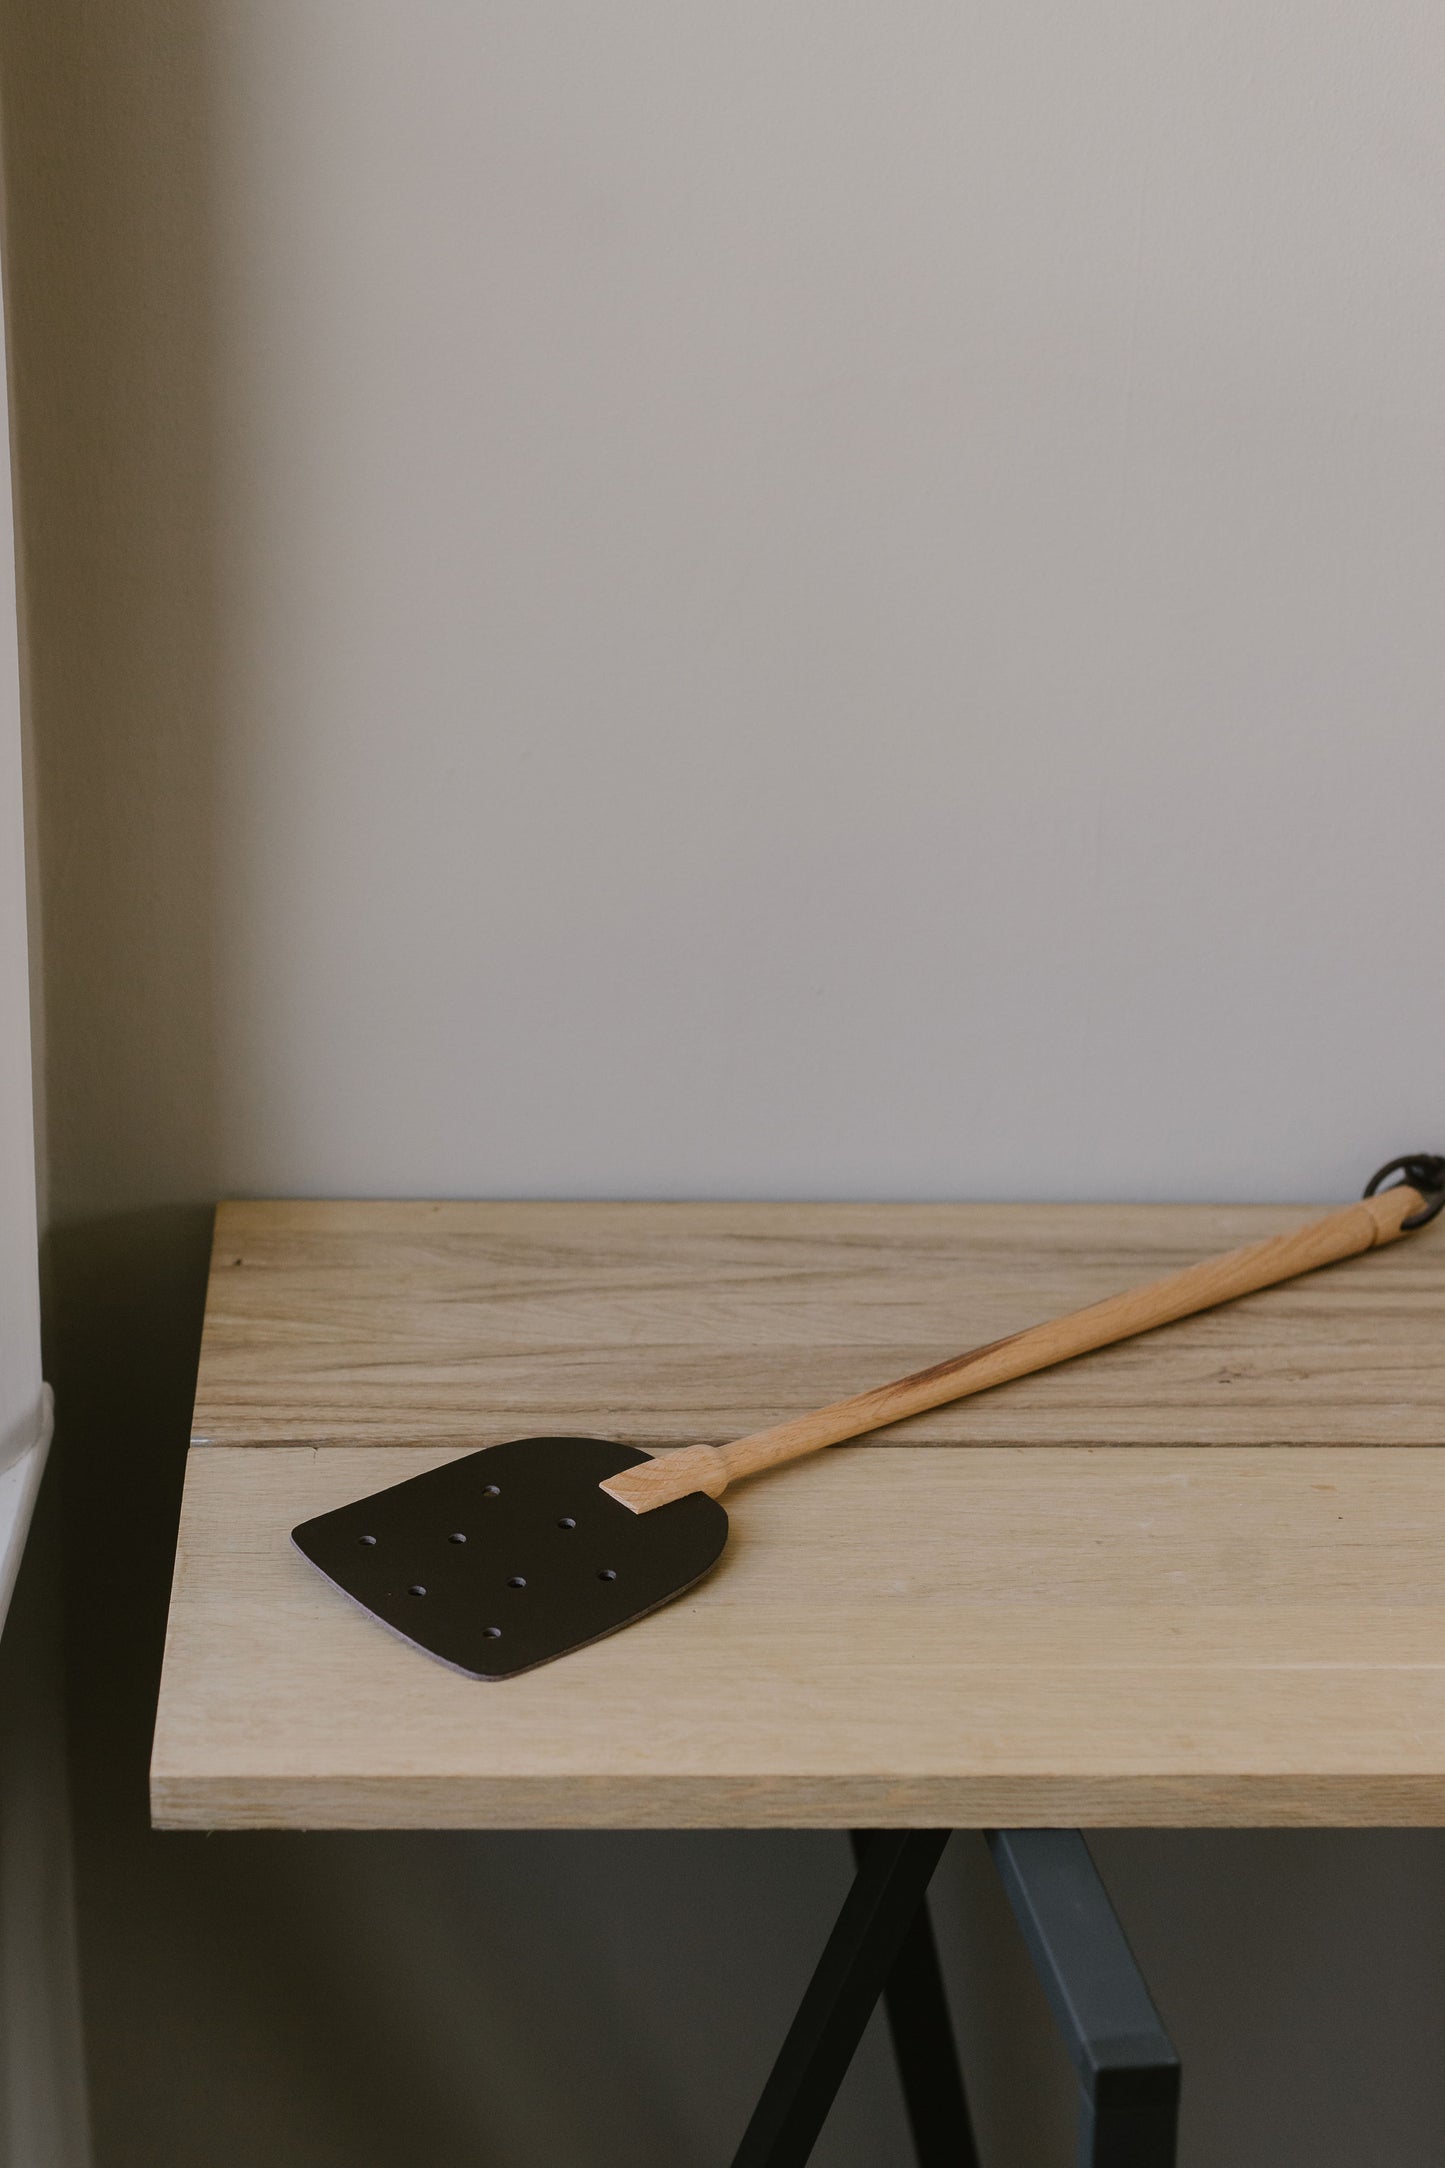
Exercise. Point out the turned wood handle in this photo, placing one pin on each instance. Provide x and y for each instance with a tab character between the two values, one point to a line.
711	1468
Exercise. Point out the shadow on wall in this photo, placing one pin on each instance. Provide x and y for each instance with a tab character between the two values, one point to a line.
43	2111
110	256
107	126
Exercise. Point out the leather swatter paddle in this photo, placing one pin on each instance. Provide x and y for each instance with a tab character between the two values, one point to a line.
510	1556
521	1552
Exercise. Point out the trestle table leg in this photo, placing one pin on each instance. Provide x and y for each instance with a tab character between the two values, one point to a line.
1128	2069
887	1892
924	2047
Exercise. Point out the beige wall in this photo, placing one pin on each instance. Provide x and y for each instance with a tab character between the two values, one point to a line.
785	600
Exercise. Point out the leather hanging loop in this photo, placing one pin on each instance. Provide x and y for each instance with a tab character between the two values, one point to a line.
1422	1171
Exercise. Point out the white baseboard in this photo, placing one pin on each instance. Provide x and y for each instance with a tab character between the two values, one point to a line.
19	1485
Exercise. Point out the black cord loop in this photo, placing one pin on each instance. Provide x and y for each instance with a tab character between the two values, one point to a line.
1424	1171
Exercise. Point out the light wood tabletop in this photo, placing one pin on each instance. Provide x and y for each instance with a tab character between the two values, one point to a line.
1197	1578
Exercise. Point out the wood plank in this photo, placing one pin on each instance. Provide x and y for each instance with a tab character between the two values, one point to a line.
418	1323
895	1635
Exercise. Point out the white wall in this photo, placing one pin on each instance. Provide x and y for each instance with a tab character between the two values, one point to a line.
840	600
662	600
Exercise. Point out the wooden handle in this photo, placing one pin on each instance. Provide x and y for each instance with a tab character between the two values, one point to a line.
711	1468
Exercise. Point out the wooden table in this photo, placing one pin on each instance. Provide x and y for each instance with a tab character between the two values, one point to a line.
1198	1578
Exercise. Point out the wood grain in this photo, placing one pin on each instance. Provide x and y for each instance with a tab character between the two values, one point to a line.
895	1636
1238	1619
398	1323
711	1470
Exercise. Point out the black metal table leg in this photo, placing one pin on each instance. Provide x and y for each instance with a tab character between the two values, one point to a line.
881	1906
924	2047
1128	2069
